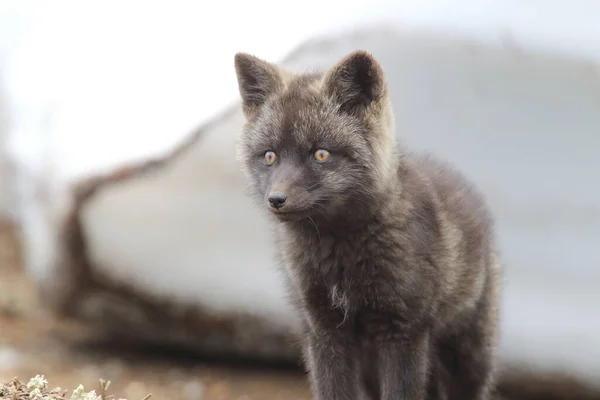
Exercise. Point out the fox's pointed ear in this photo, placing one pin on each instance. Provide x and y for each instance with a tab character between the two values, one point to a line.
257	80
356	82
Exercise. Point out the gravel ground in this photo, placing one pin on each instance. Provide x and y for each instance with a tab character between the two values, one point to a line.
33	343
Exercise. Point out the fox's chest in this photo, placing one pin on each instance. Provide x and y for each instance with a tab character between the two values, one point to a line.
340	279
360	309
342	289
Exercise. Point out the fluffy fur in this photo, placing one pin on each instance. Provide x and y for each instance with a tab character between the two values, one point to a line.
390	256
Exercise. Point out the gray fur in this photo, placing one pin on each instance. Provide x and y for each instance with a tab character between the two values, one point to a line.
389	256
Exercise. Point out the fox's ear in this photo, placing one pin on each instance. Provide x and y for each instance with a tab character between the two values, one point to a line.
257	80
356	82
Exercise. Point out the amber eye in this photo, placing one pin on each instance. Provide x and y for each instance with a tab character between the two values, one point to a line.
321	155
270	157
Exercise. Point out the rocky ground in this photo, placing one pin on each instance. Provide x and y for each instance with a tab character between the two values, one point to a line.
33	343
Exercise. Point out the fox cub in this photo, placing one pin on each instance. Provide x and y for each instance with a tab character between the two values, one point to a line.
389	256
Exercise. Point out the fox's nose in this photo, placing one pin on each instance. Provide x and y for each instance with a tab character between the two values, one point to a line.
277	199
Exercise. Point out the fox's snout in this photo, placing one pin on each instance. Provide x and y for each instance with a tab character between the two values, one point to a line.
276	200
285	187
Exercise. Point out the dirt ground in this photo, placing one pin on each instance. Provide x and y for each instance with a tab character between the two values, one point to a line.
33	343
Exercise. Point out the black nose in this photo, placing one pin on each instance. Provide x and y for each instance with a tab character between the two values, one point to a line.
277	199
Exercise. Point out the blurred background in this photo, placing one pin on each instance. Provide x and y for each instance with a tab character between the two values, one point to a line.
129	250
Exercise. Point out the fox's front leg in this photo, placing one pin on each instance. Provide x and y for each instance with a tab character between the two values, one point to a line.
403	366
332	369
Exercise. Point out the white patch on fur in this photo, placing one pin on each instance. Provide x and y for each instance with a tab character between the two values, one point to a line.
339	300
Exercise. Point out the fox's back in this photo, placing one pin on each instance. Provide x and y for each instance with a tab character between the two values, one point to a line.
460	199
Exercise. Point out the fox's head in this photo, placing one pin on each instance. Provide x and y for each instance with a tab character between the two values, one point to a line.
315	143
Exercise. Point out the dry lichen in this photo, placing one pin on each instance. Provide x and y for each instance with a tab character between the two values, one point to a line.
37	389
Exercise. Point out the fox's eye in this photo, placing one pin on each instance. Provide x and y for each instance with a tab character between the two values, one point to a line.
321	155
270	157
